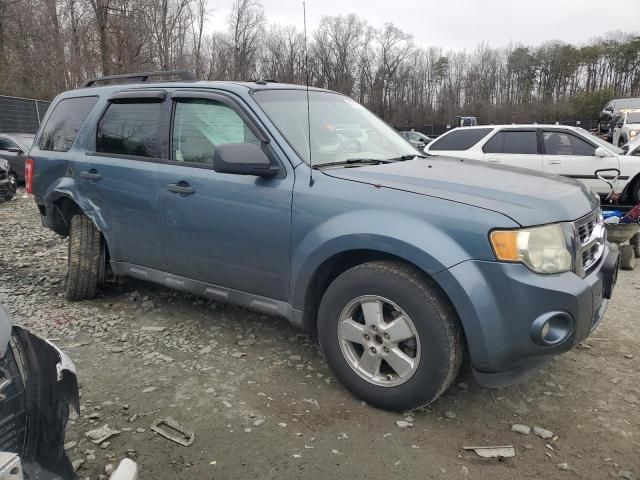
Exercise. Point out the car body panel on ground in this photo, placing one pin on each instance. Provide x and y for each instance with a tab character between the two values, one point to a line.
38	389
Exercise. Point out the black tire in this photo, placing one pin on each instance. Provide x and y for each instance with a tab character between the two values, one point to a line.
634	191
635	241
85	258
13	186
627	257
435	322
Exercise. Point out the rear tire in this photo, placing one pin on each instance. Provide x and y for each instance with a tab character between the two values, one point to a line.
85	258
420	368
635	241
627	257
634	191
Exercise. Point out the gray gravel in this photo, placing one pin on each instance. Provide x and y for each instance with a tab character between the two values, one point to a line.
263	404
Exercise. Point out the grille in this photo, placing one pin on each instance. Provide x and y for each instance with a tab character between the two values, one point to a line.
590	239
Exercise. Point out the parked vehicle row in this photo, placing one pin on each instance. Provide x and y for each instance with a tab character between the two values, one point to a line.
301	203
611	111
568	151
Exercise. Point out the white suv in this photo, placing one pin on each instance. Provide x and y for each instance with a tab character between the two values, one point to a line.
627	127
568	151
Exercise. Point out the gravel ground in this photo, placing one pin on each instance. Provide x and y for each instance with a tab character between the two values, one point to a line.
263	404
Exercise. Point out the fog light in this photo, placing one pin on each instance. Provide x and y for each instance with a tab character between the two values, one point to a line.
552	328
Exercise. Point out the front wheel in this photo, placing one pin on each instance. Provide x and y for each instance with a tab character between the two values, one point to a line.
389	335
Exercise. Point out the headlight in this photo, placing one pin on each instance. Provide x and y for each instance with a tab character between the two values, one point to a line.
633	133
542	249
4	165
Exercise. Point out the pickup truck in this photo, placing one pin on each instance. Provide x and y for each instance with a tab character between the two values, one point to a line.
304	204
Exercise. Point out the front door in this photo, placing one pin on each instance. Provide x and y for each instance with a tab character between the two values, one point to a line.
566	153
118	178
223	229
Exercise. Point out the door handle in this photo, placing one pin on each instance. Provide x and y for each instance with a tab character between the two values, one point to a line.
181	187
555	162
91	175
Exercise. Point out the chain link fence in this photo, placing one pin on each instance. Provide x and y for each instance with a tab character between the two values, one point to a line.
21	115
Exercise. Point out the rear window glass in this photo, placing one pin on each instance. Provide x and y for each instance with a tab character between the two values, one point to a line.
516	142
130	128
462	139
65	121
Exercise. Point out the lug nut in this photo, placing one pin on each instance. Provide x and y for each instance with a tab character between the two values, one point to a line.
386	350
373	350
366	337
387	336
374	328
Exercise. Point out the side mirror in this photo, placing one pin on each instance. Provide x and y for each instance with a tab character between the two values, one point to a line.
242	159
601	152
15	150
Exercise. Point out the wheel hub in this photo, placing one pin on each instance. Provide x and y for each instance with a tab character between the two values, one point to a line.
379	341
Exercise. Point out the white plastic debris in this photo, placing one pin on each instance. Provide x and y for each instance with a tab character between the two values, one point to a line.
127	470
503	451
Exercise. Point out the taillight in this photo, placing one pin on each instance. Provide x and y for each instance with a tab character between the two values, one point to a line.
28	174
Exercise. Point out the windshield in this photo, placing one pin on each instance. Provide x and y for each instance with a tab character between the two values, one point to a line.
607	145
341	129
633	117
628	103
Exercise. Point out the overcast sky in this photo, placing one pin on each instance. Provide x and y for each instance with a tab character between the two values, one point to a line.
460	24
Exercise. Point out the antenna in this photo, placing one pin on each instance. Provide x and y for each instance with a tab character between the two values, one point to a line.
306	71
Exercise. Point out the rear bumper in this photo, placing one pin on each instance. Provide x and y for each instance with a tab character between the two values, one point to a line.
501	306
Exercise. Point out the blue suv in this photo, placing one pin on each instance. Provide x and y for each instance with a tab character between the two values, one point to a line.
304	204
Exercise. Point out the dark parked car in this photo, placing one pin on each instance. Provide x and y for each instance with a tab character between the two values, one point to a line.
8	181
254	194
37	386
417	139
610	113
14	148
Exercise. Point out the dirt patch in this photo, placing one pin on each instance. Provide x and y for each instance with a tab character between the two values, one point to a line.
263	404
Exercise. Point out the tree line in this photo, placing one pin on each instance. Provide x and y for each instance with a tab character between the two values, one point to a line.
47	46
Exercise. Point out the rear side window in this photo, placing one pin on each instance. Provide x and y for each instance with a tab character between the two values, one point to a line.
462	139
6	144
65	121
515	142
130	128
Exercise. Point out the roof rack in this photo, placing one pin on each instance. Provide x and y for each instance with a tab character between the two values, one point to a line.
141	77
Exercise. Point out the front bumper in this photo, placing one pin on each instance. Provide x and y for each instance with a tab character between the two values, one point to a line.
499	302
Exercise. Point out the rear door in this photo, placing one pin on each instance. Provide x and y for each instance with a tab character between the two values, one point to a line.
516	147
118	177
569	154
223	229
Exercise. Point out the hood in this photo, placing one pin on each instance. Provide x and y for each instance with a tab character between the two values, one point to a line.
526	196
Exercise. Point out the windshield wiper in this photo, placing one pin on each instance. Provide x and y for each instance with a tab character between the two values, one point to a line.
369	161
353	161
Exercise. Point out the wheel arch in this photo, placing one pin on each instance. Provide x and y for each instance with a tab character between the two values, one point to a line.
338	263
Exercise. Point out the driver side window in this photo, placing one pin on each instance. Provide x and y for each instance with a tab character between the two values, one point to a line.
563	143
200	125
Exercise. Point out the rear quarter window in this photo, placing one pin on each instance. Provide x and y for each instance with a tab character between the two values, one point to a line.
65	121
459	140
514	142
